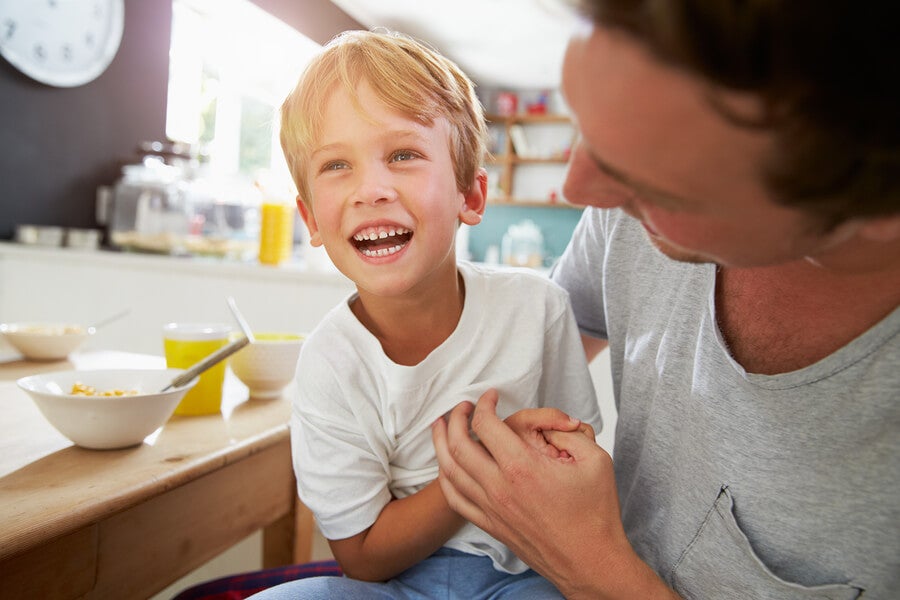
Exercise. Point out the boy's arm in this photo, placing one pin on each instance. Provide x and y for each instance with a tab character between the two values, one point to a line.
407	531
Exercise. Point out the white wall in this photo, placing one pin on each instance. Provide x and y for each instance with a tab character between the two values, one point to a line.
82	287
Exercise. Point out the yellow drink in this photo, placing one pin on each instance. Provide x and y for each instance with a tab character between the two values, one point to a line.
187	344
276	233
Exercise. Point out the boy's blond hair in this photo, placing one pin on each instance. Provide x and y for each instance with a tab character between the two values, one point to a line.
404	74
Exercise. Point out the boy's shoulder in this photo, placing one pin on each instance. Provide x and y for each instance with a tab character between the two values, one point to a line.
517	278
513	287
334	332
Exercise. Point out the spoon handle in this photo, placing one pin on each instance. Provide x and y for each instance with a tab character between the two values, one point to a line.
216	357
110	319
245	328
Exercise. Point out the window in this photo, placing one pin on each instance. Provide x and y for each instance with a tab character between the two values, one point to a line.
231	65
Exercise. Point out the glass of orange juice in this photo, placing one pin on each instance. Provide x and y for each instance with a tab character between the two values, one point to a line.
188	343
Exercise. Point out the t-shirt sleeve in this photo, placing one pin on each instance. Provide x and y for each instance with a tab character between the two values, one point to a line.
579	271
566	382
340	477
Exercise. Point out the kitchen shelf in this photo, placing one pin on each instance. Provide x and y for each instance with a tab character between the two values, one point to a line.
512	133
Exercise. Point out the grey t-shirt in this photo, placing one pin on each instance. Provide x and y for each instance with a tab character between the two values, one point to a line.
734	484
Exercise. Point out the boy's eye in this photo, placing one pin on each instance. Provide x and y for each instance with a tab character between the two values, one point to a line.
334	165
402	155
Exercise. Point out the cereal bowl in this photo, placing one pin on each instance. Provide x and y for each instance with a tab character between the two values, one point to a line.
110	408
45	341
267	365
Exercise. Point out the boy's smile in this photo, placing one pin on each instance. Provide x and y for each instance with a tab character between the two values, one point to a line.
381	240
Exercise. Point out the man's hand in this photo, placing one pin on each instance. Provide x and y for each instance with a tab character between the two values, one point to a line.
557	509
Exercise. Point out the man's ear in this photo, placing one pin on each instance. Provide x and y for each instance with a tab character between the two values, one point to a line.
475	200
310	219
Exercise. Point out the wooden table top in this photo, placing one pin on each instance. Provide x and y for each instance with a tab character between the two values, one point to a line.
49	486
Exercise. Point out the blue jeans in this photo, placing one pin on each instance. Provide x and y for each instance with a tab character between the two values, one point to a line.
446	574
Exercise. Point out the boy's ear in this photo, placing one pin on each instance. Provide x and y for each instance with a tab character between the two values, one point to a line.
310	219
475	200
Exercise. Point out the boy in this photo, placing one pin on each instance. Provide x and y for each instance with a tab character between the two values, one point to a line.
385	139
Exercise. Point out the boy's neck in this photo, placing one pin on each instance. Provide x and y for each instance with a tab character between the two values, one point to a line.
410	327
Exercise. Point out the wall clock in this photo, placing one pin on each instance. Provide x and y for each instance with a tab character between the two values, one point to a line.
63	43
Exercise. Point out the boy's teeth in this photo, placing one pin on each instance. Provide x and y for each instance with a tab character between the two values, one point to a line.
376	234
383	251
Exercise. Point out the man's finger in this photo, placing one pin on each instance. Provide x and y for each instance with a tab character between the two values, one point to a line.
459	458
496	436
450	473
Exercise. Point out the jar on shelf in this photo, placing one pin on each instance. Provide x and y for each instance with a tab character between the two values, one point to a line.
523	245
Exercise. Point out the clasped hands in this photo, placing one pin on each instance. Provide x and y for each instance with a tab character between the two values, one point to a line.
537	481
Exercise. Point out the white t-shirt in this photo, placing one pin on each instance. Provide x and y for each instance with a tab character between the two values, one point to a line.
361	424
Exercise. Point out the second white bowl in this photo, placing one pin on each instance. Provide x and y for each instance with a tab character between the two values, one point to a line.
45	341
267	365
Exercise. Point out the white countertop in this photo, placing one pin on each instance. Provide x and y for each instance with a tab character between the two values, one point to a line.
323	272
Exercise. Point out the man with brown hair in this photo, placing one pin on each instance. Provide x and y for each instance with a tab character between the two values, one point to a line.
741	258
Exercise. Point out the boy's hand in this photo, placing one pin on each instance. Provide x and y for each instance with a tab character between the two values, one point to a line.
533	424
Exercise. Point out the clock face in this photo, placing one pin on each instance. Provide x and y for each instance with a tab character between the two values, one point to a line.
64	43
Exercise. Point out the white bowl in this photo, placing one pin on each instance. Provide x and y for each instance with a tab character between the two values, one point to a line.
267	365
105	422
45	341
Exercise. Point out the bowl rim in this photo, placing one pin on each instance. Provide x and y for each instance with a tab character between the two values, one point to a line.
15	328
24	383
286	338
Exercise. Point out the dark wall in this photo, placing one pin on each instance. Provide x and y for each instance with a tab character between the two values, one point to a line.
58	144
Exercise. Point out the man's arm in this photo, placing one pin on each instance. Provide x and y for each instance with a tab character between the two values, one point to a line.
593	346
559	515
407	531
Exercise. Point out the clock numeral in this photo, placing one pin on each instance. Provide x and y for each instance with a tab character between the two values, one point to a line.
67	52
10	26
39	52
89	39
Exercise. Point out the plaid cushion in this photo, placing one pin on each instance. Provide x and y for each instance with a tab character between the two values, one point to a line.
242	585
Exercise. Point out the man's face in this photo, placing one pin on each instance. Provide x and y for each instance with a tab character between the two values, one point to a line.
654	145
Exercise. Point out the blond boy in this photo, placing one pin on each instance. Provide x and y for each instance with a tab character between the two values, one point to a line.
385	140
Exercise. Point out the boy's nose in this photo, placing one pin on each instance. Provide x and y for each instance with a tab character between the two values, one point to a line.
373	187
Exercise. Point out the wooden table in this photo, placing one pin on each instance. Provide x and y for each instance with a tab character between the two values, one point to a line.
78	523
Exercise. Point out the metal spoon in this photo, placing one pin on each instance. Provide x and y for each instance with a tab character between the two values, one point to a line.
211	360
221	353
245	328
93	328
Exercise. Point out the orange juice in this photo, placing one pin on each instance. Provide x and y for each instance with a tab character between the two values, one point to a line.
276	233
186	344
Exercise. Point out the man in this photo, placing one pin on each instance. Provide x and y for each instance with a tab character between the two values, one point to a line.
741	256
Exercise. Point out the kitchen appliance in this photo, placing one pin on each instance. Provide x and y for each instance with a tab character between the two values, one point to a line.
150	210
167	205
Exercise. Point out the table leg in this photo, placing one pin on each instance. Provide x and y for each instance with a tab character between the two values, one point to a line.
289	540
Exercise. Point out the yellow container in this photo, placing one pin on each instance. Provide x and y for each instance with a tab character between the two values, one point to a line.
186	344
276	233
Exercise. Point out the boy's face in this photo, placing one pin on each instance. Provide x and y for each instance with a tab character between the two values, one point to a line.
385	203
